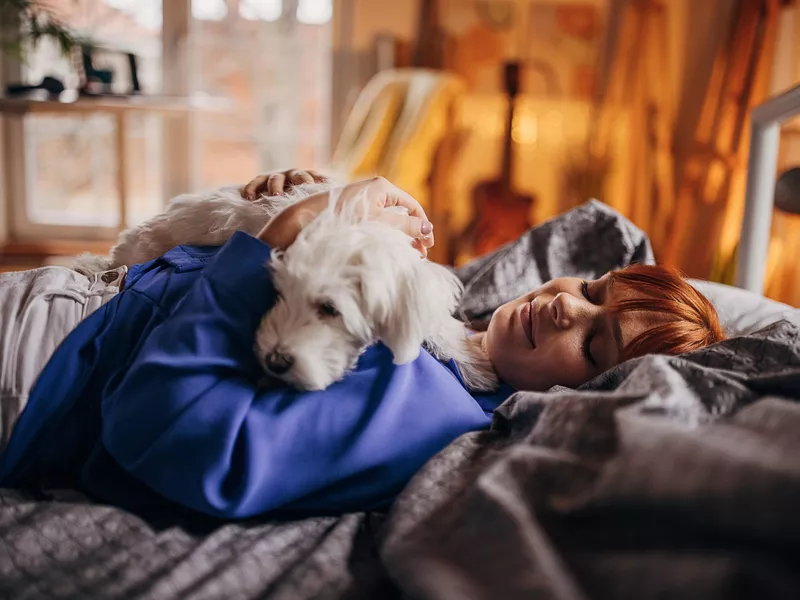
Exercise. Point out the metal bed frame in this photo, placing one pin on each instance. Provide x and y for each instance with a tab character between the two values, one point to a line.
762	165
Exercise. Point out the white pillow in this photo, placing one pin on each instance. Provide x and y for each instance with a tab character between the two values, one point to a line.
742	312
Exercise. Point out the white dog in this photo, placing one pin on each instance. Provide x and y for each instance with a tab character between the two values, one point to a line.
344	284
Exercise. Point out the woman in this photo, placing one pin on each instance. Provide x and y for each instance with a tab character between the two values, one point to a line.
154	396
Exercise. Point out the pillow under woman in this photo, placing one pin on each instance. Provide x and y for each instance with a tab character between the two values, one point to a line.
153	398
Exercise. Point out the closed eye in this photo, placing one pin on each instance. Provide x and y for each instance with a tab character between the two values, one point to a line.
587	343
585	291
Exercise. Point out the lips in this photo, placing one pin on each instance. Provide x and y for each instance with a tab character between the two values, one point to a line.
527	317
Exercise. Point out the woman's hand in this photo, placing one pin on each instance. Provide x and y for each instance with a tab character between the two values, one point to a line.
279	182
377	194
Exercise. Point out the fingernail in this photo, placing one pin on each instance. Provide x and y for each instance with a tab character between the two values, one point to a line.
426	228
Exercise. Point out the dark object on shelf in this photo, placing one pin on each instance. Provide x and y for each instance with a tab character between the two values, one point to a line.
134	71
51	85
99	81
95	80
787	191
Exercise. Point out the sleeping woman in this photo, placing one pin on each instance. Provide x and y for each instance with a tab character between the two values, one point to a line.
152	397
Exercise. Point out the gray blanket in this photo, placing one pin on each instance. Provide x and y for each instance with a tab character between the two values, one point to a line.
664	478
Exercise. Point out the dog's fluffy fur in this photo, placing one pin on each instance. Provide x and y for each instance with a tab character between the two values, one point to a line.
345	283
204	219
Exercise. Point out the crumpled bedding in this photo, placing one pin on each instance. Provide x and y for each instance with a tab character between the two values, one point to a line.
667	477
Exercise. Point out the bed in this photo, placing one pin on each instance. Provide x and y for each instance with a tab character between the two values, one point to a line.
667	477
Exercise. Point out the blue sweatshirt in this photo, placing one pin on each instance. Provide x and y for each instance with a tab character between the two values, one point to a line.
154	399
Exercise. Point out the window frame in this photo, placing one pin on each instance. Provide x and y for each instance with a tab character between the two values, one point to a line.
16	162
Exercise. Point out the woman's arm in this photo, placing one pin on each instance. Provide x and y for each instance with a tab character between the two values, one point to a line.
189	421
373	196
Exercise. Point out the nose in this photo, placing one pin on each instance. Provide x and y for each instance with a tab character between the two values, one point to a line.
278	362
566	310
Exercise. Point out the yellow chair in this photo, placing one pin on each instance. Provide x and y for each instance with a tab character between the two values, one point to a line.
403	126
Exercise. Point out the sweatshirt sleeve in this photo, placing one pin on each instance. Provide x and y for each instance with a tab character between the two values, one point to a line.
188	419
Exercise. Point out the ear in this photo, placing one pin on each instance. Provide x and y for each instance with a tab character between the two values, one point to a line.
427	295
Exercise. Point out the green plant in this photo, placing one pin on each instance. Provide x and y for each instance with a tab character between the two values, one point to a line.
24	23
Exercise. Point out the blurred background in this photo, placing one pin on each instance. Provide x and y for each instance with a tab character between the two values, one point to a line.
495	114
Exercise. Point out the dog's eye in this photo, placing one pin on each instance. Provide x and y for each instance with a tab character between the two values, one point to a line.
327	309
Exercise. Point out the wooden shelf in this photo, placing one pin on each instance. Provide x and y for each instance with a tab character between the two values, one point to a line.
114	104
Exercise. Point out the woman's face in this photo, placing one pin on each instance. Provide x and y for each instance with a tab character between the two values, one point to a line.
564	333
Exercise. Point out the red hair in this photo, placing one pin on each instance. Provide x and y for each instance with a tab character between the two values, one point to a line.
691	321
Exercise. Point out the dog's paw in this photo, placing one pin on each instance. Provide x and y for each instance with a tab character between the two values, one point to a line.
403	356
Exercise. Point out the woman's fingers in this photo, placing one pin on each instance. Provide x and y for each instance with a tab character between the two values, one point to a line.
421	230
299	177
318	177
397	197
254	188
275	184
419	247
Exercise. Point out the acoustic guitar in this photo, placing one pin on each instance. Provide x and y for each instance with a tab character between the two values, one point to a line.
500	213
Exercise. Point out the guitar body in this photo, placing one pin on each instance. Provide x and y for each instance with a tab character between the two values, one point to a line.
499	217
501	214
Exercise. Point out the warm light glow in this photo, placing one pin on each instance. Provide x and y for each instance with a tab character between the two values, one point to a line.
554	122
261	10
525	129
775	258
314	12
715	179
209	10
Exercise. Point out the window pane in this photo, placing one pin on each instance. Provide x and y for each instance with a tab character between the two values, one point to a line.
281	93
126	25
264	10
71	165
71	160
314	12
209	10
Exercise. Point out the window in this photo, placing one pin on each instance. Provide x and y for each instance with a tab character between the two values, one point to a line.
261	10
276	69
314	12
209	10
271	58
71	160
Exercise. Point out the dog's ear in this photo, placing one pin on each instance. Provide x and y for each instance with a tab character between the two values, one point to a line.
426	296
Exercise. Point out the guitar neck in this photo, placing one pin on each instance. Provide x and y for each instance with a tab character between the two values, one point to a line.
512	88
506	171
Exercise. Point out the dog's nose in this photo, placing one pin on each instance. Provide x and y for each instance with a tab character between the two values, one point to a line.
278	362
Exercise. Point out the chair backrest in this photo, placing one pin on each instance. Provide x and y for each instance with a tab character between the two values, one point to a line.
368	127
396	126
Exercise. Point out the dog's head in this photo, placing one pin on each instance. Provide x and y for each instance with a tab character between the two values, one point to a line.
344	284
